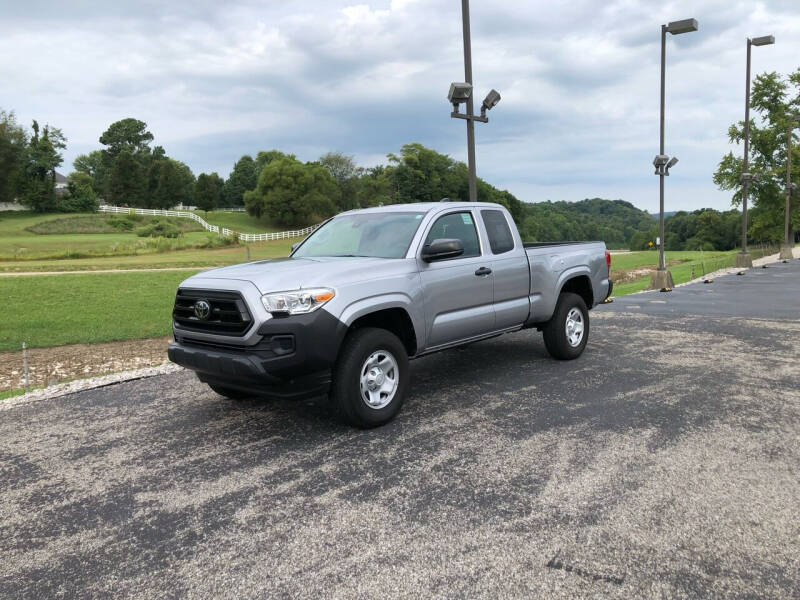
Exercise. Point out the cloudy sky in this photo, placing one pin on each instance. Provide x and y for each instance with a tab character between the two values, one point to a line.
579	80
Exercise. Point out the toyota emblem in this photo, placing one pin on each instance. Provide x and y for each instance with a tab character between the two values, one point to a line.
202	309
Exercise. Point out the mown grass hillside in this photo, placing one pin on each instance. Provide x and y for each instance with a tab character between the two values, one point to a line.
240	221
30	238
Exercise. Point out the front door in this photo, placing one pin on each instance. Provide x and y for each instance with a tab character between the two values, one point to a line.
458	292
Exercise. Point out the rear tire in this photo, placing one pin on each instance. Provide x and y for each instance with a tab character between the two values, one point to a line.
229	392
370	377
567	332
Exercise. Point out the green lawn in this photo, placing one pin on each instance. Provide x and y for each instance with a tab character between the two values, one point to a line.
241	222
52	310
23	250
680	265
196	257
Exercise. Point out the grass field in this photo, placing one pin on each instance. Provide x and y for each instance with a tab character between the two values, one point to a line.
52	310
196	257
105	223
58	250
680	264
240	221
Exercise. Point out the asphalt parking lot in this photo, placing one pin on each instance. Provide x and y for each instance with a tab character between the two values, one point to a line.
663	463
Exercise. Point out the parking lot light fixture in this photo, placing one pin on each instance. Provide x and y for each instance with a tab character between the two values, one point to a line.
764	40
662	278
743	259
459	92
684	26
462	93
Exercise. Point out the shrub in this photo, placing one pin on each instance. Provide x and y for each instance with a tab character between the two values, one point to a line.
122	223
159	228
79	198
220	241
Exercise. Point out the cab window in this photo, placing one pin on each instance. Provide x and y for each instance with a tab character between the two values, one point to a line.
500	238
458	226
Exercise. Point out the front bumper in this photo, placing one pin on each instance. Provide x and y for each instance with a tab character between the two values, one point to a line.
293	358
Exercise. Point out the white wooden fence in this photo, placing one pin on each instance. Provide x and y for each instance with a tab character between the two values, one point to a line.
244	237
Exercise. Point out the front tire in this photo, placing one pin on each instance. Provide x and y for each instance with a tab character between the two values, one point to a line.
370	377
567	332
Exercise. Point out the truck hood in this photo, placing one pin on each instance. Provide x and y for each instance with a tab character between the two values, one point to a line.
283	274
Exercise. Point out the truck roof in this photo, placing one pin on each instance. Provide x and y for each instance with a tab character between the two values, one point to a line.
424	207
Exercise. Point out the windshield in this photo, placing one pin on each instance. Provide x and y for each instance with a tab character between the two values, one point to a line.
377	235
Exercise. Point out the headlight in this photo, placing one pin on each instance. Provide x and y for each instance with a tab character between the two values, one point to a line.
298	301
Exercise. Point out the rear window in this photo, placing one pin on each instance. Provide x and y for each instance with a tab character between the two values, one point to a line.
500	238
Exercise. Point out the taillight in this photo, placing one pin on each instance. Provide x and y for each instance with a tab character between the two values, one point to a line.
608	259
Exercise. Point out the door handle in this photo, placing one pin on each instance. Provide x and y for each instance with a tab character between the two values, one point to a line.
483	271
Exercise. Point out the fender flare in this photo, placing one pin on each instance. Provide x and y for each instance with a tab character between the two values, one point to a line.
371	304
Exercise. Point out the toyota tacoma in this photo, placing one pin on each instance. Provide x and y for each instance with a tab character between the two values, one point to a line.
371	289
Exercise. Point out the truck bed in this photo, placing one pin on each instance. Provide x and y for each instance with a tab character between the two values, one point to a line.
545	244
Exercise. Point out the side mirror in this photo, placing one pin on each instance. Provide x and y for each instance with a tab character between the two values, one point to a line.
442	249
294	247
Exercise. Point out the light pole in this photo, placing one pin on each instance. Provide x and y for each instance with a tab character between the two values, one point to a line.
662	279
743	259
462	93
786	251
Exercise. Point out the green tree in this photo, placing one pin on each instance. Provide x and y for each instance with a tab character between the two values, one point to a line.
292	193
423	175
265	157
773	98
80	196
128	134
242	179
13	141
208	191
126	182
93	165
40	161
346	174
374	187
175	185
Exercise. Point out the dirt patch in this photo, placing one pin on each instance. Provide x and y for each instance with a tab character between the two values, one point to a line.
49	366
629	275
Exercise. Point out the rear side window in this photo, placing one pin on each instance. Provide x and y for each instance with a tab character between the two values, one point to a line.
459	226
500	238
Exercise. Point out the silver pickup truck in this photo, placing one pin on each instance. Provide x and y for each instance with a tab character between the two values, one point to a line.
371	289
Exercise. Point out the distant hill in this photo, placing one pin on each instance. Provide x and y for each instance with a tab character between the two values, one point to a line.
667	213
613	221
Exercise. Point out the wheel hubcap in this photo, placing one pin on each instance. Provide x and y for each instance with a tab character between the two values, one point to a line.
574	327
379	379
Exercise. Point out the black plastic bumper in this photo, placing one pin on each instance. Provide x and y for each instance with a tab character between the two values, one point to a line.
293	359
610	289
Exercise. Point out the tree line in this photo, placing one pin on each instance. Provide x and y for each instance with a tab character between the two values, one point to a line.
129	170
28	162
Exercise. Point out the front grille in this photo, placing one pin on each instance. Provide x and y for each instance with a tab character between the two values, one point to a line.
228	313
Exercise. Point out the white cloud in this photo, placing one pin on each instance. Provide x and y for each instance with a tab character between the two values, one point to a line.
579	115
